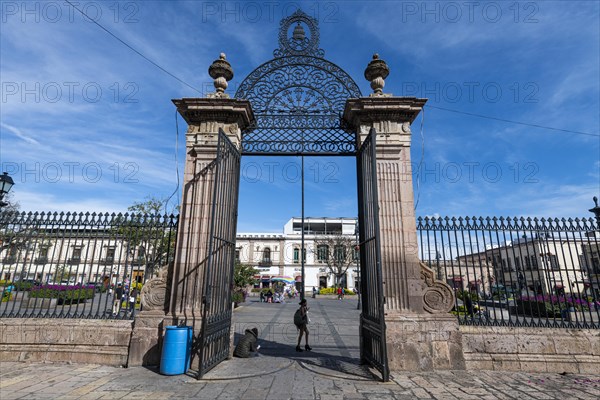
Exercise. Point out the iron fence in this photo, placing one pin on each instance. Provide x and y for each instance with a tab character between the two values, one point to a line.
80	265
517	271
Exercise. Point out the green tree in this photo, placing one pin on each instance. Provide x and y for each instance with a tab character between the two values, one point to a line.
148	235
337	252
61	274
243	276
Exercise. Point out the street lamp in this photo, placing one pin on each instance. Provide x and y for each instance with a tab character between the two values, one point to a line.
357	250
595	210
6	183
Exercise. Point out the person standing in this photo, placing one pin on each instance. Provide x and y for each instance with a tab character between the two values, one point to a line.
301	322
132	300
117	300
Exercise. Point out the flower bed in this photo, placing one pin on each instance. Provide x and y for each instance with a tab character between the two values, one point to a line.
65	294
550	306
333	290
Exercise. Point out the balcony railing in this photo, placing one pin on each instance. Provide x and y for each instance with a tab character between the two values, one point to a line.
74	260
41	260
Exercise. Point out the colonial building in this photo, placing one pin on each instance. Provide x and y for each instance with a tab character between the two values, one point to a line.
101	255
546	265
279	254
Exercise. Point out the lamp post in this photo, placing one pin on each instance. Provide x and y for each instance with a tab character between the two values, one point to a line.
595	210
6	183
357	247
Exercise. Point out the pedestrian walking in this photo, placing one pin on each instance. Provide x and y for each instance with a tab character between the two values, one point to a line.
301	321
117	300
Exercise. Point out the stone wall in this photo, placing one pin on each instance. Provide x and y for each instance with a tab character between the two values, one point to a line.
531	349
423	342
65	340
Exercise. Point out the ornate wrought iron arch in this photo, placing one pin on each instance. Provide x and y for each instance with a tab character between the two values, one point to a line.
298	97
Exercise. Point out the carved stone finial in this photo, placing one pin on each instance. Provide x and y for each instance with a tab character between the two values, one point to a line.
299	33
376	72
220	70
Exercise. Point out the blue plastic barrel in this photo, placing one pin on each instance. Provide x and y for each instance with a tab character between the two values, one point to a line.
176	350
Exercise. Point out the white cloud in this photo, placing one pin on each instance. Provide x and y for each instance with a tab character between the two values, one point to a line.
19	134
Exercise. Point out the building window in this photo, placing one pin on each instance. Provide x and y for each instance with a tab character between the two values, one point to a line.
76	256
517	262
595	265
509	264
554	262
110	254
322	252
534	263
496	261
527	263
297	255
43	256
339	253
266	255
44	252
237	256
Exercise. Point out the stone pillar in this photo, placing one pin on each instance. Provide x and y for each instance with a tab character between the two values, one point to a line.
421	334
204	117
175	296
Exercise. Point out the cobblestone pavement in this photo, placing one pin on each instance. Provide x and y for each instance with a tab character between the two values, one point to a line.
288	381
330	371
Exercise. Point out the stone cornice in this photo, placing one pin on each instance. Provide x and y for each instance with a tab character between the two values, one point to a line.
198	110
366	110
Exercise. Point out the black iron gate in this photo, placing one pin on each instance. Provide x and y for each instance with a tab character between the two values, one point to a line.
372	320
216	317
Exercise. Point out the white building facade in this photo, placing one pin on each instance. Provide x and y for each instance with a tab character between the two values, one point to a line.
280	254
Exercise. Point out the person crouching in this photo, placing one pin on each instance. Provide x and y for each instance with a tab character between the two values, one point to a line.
247	344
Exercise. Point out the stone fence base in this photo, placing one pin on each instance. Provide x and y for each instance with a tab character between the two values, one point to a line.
531	349
103	342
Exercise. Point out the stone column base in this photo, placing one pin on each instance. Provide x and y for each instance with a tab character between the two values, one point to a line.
146	339
423	342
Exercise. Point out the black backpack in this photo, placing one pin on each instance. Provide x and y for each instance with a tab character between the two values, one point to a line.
298	320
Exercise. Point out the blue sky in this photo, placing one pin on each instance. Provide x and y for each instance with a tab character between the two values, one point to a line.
87	124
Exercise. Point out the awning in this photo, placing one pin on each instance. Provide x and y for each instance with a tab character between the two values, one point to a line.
285	279
457	279
558	286
299	278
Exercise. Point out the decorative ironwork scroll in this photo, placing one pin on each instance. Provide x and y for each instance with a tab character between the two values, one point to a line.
298	97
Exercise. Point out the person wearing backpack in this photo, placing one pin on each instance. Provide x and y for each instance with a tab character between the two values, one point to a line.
301	321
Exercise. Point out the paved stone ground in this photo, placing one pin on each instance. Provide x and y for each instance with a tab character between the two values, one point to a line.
331	371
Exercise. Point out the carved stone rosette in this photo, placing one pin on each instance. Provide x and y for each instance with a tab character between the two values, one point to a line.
155	292
438	297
